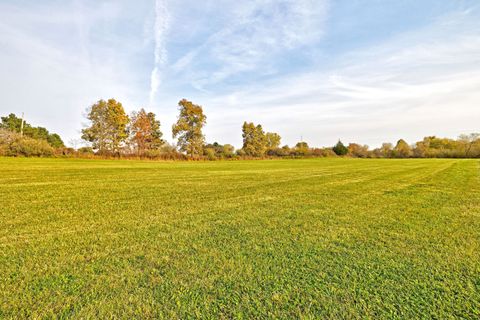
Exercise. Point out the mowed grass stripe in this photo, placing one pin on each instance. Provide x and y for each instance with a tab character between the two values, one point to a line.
338	238
253	190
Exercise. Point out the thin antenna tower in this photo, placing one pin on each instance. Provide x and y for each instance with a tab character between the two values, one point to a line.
21	126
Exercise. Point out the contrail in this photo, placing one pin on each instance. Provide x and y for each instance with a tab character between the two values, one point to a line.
160	54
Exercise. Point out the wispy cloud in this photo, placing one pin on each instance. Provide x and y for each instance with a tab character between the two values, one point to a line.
59	58
160	51
249	39
421	83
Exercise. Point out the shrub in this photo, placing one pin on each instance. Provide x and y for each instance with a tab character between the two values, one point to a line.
7	137
13	144
29	147
85	150
65	151
228	151
210	153
152	154
323	152
240	152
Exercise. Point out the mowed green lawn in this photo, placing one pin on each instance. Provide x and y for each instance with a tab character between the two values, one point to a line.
323	238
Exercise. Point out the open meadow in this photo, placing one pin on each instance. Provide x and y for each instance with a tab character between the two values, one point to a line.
320	238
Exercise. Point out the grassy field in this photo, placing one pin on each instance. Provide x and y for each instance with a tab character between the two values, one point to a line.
324	238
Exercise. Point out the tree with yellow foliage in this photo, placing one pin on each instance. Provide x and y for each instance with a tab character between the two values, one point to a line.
108	126
188	128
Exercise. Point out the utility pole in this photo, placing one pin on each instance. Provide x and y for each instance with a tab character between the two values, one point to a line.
21	126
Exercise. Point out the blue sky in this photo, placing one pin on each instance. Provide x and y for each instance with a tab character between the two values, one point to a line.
367	71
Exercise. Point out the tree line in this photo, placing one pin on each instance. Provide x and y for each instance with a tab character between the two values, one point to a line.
111	132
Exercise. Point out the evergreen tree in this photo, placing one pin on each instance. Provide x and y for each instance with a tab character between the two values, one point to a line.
340	149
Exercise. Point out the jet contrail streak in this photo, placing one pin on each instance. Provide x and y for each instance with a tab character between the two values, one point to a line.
160	53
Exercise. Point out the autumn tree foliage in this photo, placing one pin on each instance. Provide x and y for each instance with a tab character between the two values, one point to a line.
188	128
357	150
273	140
471	143
145	134
302	148
108	126
402	149
386	150
254	140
